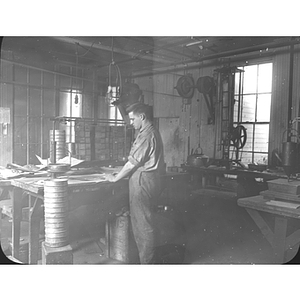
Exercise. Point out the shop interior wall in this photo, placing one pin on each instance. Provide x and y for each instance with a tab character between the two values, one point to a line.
185	126
33	95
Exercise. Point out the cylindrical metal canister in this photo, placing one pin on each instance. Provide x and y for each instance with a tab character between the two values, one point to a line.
56	213
119	238
289	157
60	144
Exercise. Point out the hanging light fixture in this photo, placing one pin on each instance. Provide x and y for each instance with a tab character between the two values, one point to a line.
114	87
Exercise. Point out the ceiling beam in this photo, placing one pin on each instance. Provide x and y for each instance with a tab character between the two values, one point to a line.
134	55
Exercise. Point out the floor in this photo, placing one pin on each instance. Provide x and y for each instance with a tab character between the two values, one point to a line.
201	230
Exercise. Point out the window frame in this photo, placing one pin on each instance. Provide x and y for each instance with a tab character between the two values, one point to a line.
238	115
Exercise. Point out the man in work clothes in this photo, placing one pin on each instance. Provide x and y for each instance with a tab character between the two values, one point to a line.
144	166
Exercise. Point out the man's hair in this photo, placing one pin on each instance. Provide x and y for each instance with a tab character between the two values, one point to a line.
141	108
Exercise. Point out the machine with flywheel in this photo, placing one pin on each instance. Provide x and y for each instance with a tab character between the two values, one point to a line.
233	134
227	87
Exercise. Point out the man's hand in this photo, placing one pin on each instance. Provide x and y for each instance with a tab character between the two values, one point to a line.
111	177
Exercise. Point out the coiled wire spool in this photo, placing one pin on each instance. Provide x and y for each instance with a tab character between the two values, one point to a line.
60	140
56	213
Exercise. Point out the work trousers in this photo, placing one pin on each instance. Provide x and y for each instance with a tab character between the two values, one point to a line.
144	189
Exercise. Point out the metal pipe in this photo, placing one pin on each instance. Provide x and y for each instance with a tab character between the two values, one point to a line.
107	48
290	96
47	71
61	89
42	114
86	120
166	47
27	119
171	68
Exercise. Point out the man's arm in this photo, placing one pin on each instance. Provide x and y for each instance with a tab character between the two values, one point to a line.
125	171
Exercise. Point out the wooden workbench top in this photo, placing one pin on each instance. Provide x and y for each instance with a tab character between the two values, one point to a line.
36	184
261	204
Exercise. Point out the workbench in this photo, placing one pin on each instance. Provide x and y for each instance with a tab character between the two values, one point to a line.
82	190
252	181
257	206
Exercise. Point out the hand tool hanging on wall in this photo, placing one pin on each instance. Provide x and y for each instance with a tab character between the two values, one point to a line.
206	85
186	87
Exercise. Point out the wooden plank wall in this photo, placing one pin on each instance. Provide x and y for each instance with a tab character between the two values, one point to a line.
280	94
185	123
193	126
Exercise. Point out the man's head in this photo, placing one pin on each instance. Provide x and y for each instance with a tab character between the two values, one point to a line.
139	114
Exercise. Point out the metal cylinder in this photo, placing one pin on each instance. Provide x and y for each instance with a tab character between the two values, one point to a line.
289	157
71	148
56	213
59	140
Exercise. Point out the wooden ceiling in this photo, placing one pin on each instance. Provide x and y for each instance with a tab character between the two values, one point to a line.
135	55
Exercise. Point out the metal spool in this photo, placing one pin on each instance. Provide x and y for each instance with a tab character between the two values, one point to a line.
58	195
56	225
205	84
56	232
55	216
56	204
60	144
57	209
185	86
56	212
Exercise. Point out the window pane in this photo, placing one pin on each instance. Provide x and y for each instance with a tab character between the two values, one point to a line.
246	158
119	116
265	78
237	84
235	109
261	138
112	112
263	108
261	158
250	79
249	130
76	102
248	113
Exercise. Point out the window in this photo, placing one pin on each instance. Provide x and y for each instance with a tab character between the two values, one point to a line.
70	106
254	112
113	111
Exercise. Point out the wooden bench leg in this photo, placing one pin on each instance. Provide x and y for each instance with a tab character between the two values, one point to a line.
35	216
0	223
279	238
16	221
